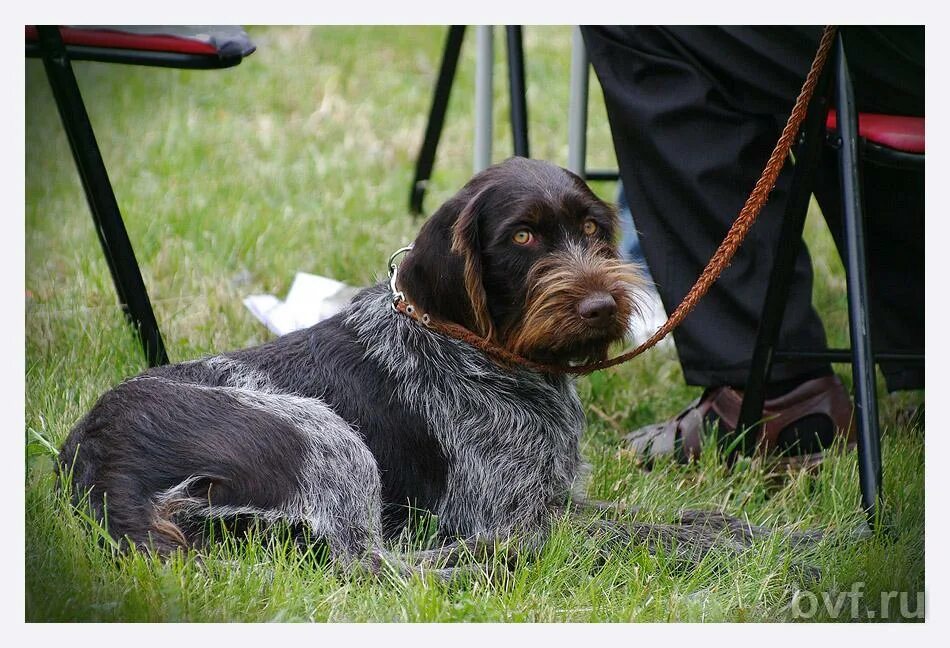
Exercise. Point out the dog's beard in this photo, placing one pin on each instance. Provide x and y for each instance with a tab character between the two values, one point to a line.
550	329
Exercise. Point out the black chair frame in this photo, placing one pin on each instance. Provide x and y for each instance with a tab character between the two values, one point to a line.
850	148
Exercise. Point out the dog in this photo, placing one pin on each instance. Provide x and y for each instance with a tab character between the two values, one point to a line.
346	427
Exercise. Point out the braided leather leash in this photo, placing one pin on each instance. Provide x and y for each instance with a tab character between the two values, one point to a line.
717	264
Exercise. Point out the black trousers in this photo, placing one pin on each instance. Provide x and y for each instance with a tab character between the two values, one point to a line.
694	114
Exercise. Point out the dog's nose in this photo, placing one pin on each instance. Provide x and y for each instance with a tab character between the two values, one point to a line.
597	309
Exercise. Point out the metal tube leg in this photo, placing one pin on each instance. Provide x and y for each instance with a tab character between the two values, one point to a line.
440	101
517	92
105	210
577	106
484	66
787	249
865	397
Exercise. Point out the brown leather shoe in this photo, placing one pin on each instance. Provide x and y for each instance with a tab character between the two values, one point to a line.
789	424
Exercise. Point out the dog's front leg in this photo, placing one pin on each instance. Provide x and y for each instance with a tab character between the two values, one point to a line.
739	529
689	539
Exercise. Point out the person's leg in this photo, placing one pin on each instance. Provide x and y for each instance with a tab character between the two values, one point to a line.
694	115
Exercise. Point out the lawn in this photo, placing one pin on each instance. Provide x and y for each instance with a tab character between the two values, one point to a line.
301	159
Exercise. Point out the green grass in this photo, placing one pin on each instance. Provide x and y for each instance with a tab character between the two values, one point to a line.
300	159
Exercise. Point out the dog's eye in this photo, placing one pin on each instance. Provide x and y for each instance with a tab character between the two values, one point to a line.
590	227
522	237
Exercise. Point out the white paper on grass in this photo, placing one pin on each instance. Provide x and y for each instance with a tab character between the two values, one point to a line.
311	299
650	317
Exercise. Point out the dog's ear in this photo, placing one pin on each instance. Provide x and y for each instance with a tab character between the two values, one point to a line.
465	241
442	275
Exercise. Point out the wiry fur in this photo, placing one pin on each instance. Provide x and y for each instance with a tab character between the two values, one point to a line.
345	427
510	437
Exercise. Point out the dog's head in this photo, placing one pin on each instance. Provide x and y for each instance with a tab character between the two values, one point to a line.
524	255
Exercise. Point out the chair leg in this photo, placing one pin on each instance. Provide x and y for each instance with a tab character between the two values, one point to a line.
440	101
516	88
484	97
868	433
787	249
105	210
577	106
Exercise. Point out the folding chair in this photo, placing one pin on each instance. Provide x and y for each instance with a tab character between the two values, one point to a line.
886	139
203	47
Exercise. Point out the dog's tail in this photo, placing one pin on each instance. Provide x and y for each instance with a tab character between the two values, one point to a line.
128	517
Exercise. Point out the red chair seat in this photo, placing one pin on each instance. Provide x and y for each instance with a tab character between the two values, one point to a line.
897	132
165	45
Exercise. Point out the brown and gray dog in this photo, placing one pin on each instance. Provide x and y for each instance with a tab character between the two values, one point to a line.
343	428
